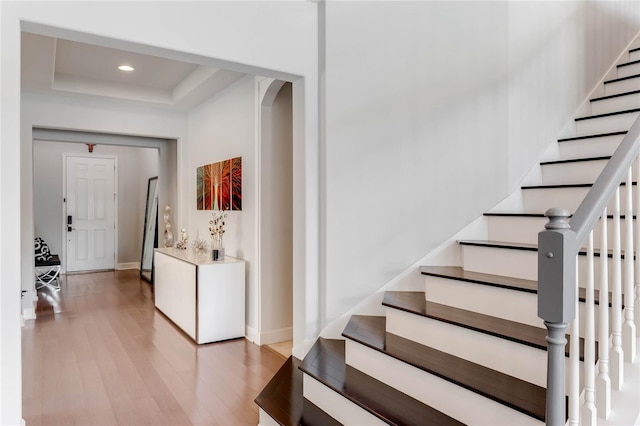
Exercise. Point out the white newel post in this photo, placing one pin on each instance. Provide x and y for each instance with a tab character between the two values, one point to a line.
556	303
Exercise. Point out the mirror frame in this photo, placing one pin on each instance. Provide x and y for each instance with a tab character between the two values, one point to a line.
148	275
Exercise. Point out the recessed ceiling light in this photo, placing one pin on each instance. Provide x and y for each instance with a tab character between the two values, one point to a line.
125	68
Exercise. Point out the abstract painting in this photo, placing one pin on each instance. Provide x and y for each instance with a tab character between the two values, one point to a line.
219	185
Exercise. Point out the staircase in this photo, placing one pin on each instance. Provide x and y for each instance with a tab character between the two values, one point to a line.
469	348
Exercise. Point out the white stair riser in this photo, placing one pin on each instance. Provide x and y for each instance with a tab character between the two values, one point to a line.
438	393
541	199
627	70
634	56
612	123
517	263
341	409
576	172
619	103
512	305
266	420
622	86
592	147
514	359
526	229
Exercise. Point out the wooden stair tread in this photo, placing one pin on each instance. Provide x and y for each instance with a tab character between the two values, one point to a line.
575	160
459	274
608	114
416	303
510	391
626	64
594	136
325	362
566	185
541	215
617	95
525	247
615	80
283	400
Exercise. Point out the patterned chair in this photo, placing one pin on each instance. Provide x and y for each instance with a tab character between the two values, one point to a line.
47	268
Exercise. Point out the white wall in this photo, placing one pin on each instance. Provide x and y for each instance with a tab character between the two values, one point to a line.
220	129
442	110
135	167
276	216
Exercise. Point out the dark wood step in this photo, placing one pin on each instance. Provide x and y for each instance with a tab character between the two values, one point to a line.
325	363
524	246
537	215
509	214
283	400
617	95
415	302
599	135
566	185
575	160
626	64
510	391
608	114
634	50
615	80
457	273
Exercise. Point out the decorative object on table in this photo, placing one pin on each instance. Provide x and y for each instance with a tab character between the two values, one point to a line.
219	185
199	246
168	234
216	228
184	240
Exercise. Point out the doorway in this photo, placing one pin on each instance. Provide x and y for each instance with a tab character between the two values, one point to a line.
90	206
135	165
276	216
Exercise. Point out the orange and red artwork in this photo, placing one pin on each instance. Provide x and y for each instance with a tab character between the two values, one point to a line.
219	185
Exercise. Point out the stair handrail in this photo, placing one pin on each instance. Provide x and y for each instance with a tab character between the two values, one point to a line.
558	247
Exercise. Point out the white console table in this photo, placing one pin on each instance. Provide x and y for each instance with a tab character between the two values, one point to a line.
206	299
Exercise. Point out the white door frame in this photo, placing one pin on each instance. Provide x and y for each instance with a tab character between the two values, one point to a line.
64	204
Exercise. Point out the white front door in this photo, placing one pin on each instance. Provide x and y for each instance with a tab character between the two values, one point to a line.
90	213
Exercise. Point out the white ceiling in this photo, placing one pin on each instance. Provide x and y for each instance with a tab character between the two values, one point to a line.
58	66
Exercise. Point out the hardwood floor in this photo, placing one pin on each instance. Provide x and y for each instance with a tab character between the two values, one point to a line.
99	353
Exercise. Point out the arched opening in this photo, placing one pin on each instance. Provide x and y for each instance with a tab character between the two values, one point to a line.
276	215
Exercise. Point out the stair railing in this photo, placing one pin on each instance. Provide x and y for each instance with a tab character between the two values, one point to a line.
559	247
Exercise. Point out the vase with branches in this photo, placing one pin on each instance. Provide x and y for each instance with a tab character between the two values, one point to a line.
216	229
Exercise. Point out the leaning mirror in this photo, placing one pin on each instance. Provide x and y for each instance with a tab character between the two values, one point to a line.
150	234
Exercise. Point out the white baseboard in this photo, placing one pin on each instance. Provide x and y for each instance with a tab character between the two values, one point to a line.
28	313
275	336
127	265
251	334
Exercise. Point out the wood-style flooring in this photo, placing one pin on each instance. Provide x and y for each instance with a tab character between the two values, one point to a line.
100	354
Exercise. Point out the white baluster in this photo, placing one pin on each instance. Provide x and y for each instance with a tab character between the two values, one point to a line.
574	363
636	302
589	411
603	382
628	328
616	356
